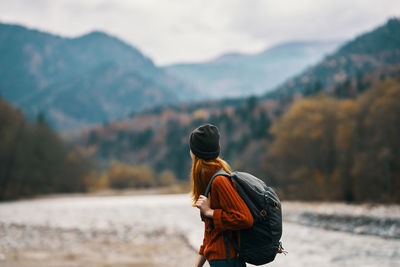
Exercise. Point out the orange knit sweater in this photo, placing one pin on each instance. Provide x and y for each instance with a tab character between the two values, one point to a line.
230	213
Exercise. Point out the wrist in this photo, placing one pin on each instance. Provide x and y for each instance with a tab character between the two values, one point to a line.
209	213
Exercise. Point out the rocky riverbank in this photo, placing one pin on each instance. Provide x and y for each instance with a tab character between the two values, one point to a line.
365	225
34	246
365	219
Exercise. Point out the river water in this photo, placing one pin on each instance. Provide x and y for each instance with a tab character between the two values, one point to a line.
307	246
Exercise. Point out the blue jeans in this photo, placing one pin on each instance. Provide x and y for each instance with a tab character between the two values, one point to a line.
235	262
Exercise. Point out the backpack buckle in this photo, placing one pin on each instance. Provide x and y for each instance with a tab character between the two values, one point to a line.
281	249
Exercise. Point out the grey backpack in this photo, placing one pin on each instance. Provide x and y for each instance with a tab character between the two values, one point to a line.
260	243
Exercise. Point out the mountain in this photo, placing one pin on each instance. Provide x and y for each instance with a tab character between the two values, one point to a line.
81	81
238	75
369	56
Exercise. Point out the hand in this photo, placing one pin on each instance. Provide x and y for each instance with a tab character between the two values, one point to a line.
203	204
200	261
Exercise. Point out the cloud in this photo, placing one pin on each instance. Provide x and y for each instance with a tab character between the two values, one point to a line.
197	30
323	19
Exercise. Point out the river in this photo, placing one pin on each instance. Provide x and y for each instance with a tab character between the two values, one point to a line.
307	246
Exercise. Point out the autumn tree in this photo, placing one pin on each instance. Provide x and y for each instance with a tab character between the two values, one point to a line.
304	148
340	149
34	159
166	178
122	176
377	167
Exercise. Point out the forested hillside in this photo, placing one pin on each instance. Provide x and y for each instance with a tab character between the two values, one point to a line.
348	149
321	148
366	58
323	142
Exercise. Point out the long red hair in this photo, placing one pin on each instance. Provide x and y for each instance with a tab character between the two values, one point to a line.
202	171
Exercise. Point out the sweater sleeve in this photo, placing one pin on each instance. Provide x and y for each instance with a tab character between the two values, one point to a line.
201	250
234	213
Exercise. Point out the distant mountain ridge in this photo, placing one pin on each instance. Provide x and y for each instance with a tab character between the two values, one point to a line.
239	75
81	81
86	84
370	55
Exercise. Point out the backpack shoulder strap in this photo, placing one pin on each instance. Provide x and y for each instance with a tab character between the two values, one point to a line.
208	189
218	173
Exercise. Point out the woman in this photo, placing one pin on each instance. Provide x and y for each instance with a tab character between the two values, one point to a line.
223	208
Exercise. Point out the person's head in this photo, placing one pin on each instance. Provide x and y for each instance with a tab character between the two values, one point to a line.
204	150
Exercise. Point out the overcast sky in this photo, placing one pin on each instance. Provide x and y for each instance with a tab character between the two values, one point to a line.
198	30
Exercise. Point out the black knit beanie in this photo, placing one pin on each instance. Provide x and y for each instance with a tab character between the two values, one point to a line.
204	142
